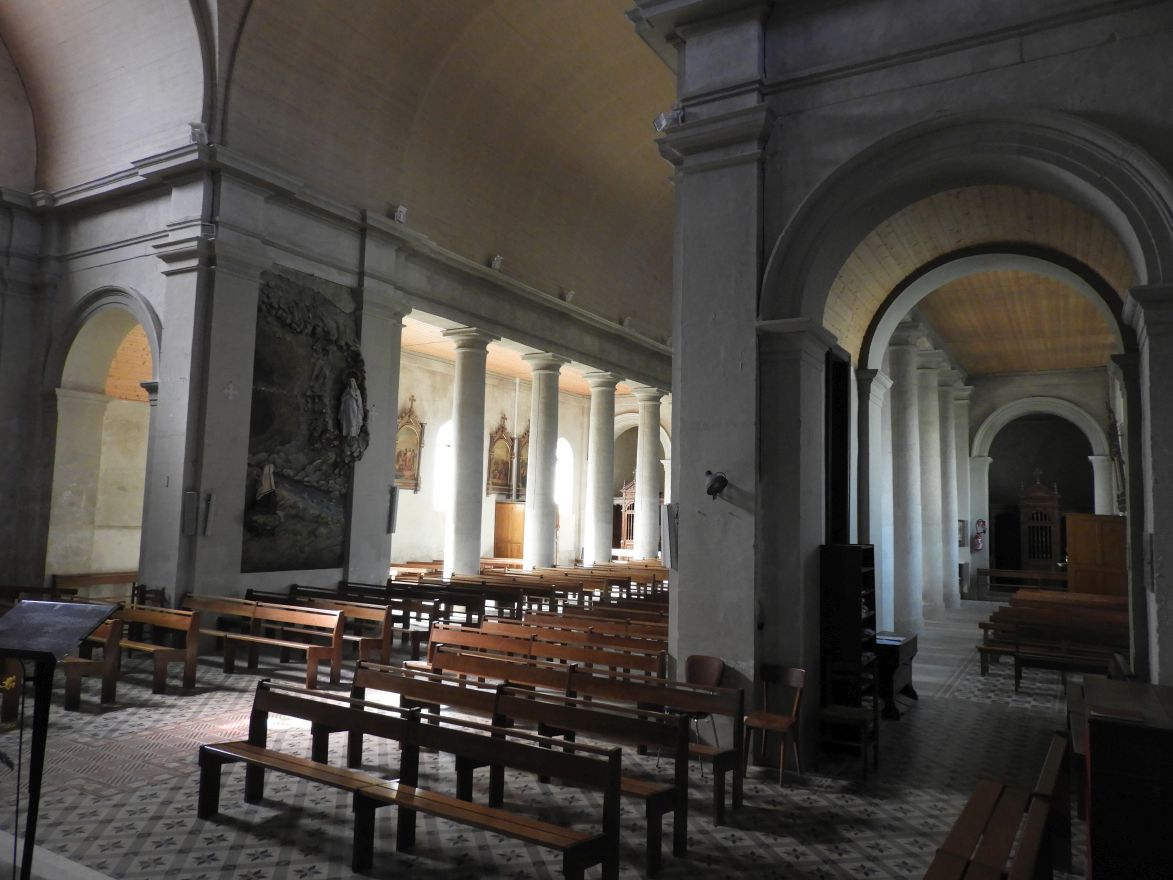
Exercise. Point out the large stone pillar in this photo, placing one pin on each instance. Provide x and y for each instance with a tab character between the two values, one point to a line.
932	547
961	397
600	466
462	528
791	493
173	493
873	391
540	510
1105	496
646	543
907	537
1150	311
369	540
949	503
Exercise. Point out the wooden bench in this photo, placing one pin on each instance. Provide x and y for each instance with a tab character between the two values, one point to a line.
601	624
979	844
1061	638
528	645
468	741
184	648
573	635
316	632
106	638
639	691
554	715
87	580
376	645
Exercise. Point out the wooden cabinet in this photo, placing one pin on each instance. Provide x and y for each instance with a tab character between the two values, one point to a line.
1097	554
848	621
509	529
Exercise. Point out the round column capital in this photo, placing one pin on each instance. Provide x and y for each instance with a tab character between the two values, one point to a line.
544	362
600	381
469	338
648	394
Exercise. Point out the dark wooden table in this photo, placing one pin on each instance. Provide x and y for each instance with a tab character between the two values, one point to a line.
894	655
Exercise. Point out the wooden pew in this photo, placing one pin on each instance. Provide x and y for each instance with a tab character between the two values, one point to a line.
86	580
528	645
106	637
1062	638
565	715
375	646
578	764
316	632
979	844
574	635
602	624
184	648
640	691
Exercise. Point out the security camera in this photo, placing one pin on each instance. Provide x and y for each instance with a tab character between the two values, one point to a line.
715	483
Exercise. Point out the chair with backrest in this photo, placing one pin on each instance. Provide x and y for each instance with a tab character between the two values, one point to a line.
706	671
764	722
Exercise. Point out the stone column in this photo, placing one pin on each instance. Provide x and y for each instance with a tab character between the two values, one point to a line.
462	528
961	397
1105	497
646	543
949	503
369	539
540	510
873	390
907	539
979	507
932	546
169	536
600	465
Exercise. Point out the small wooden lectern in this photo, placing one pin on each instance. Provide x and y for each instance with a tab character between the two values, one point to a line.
44	632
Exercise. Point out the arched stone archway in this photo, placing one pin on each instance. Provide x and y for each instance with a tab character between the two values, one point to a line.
98	369
1066	155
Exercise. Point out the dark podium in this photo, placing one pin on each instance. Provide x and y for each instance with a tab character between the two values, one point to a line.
44	632
894	654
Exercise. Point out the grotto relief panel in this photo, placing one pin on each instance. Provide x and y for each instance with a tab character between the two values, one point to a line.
309	423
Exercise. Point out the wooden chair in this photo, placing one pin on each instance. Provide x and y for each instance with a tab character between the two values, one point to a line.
705	671
764	722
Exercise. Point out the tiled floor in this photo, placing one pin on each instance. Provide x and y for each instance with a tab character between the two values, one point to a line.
120	789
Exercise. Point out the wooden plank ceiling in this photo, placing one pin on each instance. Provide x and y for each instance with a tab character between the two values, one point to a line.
997	322
1017	322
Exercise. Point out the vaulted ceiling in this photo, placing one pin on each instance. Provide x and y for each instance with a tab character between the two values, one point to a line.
993	322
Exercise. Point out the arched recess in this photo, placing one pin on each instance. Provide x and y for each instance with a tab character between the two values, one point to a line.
101	434
1004	415
123	306
1058	153
627	421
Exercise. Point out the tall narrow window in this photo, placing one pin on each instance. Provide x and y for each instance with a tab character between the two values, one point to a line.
564	475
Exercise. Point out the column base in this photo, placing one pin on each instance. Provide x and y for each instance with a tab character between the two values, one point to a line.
933	610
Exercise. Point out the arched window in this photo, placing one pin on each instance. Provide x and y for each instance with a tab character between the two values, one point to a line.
564	475
442	485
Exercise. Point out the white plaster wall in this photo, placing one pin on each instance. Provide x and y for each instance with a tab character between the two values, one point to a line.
118	513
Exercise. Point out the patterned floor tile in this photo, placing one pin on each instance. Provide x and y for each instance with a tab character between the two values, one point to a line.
120	788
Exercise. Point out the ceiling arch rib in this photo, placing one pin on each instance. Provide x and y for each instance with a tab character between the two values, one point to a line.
465	113
965	218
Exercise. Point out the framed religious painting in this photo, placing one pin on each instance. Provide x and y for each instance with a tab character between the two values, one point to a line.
409	448
500	471
522	464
